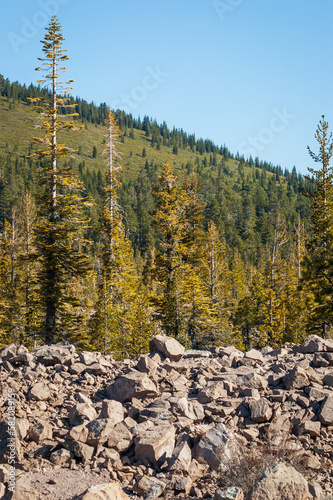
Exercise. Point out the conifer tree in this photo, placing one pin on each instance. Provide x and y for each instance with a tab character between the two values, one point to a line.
318	262
169	266
118	281
61	215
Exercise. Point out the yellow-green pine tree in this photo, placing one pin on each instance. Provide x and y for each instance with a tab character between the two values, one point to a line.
61	213
118	281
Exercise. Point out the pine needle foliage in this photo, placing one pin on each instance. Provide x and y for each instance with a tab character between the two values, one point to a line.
62	209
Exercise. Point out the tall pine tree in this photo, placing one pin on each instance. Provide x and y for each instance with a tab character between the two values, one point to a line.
61	214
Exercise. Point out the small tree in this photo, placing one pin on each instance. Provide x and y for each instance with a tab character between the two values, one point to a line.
318	262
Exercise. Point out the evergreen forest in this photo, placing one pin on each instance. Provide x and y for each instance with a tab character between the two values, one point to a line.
114	228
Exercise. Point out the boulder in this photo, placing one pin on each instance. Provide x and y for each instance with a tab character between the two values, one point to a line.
217	447
40	431
212	392
315	344
253	381
149	487
326	411
260	410
120	438
230	493
56	354
39	392
113	410
281	482
108	491
181	457
296	379
155	444
80	450
61	457
168	346
82	413
99	431
132	385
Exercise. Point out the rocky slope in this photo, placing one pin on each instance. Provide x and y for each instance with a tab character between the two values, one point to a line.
217	424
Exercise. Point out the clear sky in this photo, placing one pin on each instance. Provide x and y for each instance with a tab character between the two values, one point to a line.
255	75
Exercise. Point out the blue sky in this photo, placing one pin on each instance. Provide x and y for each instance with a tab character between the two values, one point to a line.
255	75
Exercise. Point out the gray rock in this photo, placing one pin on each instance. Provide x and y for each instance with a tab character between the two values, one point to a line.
296	379
326	411
155	444
230	493
80	450
132	385
260	410
39	392
168	346
149	487
315	344
217	447
107	491
40	431
55	354
81	413
99	431
281	482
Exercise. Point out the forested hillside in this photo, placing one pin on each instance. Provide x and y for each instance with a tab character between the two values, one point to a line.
173	233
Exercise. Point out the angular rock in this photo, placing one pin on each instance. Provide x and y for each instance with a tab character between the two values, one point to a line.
149	487
168	346
39	392
108	491
328	379
99	431
180	460
192	410
253	381
81	413
55	354
217	447
113	410
155	444
281	482
315	344
77	368
326	411
120	438
260	410
296	379
61	457
40	431
132	385
80	450
78	433
230	493
180	483
254	355
212	392
22	427
310	427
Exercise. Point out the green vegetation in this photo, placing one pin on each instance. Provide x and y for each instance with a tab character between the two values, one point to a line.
187	238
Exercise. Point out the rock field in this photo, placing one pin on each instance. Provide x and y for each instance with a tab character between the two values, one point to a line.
218	424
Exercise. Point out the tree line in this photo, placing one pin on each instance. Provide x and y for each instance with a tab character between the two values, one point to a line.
193	270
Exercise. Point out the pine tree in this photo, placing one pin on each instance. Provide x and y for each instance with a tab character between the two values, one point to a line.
169	266
318	262
61	217
118	281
